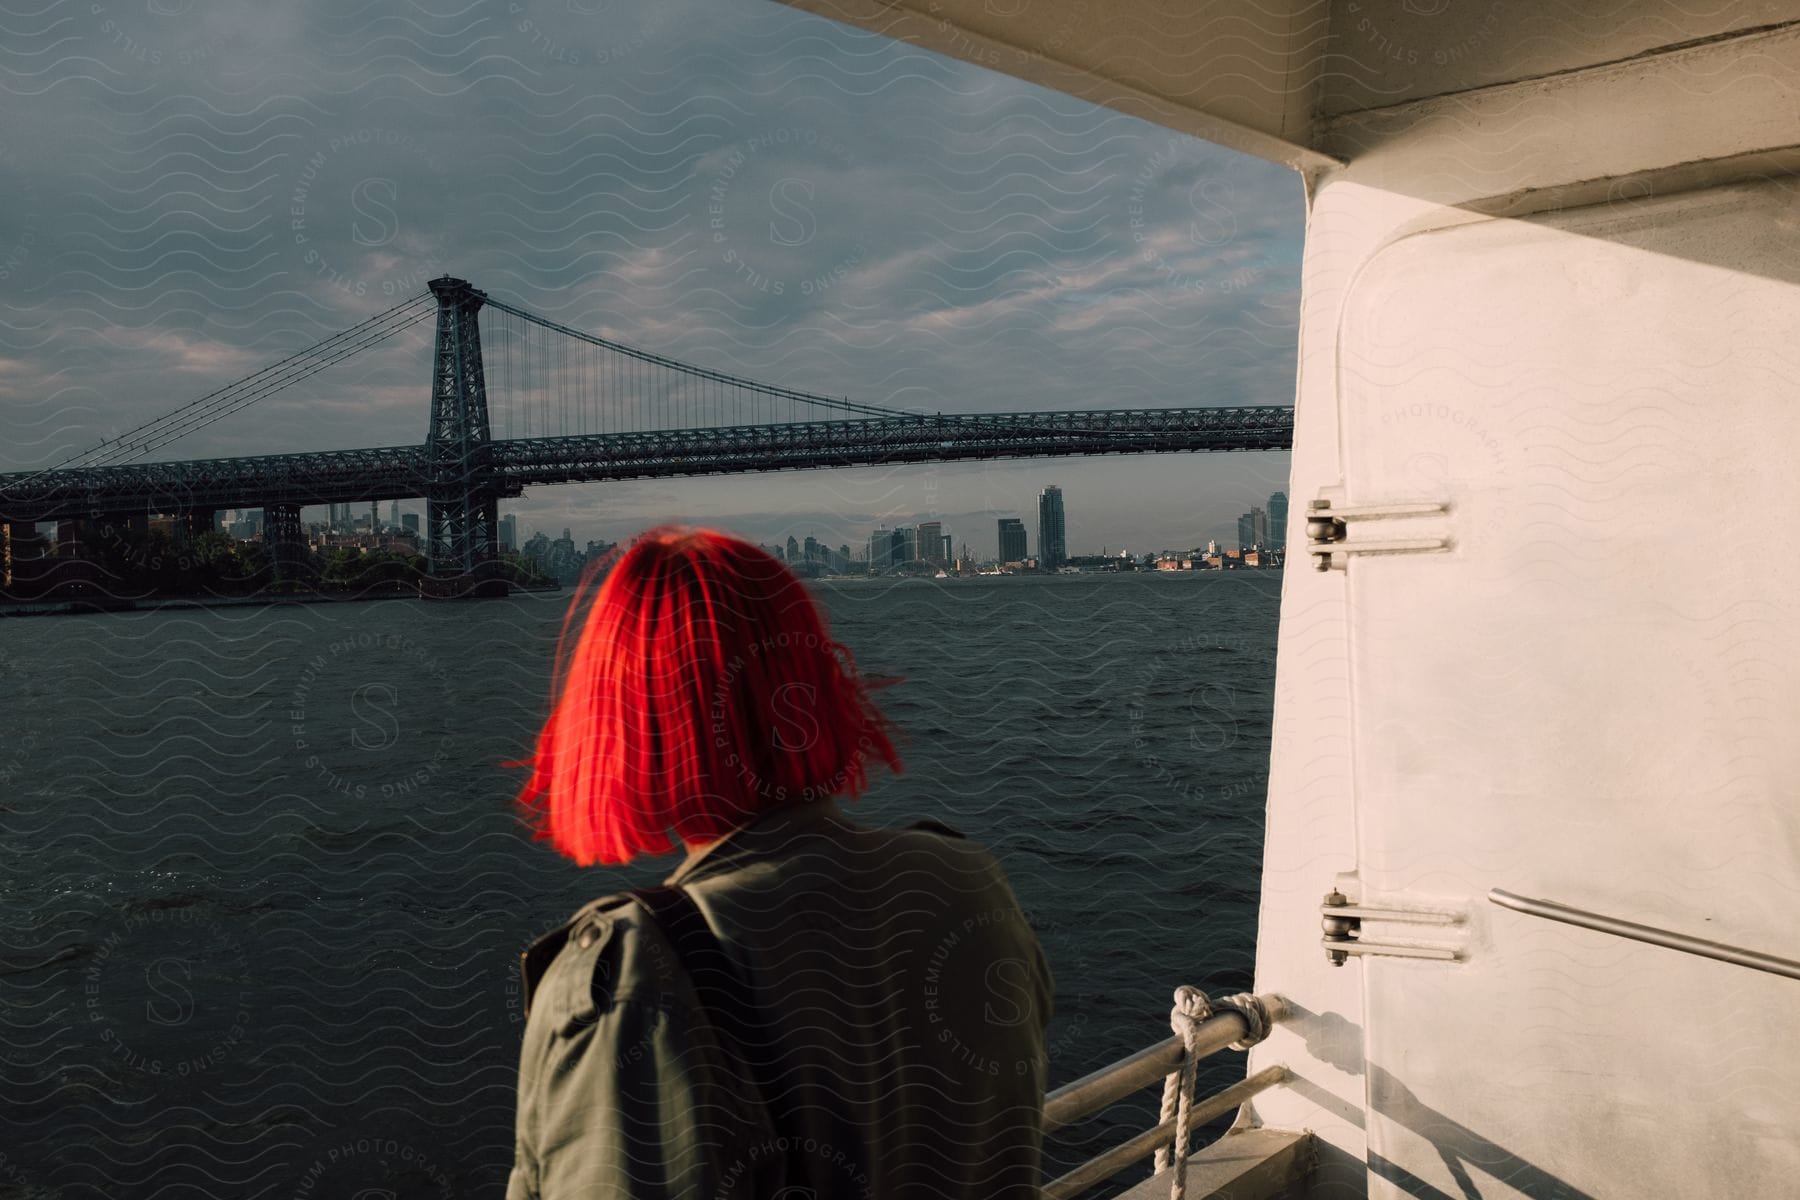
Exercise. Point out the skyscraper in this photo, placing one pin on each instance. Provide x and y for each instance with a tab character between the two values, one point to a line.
881	548
1053	548
931	541
509	530
793	549
1012	540
1259	526
561	565
394	514
1278	521
1246	532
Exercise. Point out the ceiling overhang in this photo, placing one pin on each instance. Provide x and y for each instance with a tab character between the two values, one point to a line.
1238	75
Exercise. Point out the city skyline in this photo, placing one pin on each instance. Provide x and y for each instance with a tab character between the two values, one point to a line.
983	545
1269	531
515	531
1173	513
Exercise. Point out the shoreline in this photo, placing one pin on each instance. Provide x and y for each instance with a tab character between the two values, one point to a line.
89	606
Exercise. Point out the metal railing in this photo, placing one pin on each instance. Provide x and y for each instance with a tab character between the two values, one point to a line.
1088	1095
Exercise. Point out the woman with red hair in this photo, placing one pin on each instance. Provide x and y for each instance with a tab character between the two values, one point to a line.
808	1006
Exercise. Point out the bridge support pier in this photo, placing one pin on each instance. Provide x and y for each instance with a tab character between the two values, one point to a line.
285	539
23	566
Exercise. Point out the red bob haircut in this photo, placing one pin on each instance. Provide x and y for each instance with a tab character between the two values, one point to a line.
700	689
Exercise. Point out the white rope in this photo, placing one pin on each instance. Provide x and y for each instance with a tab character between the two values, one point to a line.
1191	1008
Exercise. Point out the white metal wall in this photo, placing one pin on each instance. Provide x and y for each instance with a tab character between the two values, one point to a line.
1582	700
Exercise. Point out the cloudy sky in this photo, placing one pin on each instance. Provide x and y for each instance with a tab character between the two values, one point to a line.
196	188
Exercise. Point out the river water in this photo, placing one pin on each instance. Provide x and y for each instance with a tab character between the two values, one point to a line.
264	892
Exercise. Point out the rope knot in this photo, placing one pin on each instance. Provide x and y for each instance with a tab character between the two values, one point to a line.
1256	1018
1191	1008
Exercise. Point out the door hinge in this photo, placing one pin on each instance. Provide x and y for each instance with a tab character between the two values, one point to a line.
1328	530
1344	936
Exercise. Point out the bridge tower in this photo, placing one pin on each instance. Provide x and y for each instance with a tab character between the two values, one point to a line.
461	498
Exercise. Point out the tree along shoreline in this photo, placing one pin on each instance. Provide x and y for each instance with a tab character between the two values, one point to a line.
126	569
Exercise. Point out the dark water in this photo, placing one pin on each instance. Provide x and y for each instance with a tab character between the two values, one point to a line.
264	894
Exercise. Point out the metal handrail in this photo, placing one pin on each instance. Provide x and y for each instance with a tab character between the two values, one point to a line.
1550	910
1092	1092
1104	1166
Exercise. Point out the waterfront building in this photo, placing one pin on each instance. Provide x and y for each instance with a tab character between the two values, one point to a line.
1278	515
903	544
537	549
562	564
1012	540
881	549
931	541
1052	543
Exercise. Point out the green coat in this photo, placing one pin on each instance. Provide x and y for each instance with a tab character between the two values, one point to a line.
910	999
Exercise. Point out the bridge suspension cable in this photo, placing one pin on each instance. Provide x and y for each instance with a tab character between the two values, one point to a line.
576	386
258	385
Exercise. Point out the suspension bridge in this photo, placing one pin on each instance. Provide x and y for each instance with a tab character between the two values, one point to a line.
571	407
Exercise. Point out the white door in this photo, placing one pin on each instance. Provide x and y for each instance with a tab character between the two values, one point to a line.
1592	697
